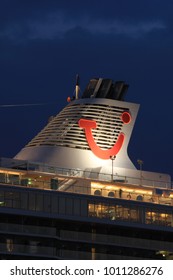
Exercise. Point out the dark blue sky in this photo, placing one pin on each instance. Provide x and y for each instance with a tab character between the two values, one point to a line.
43	44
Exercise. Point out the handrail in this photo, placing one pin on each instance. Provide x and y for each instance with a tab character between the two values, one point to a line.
21	165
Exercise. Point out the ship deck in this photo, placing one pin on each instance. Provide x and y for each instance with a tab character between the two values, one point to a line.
41	176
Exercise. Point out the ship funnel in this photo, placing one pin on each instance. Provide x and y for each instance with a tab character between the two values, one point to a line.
120	89
88	131
105	88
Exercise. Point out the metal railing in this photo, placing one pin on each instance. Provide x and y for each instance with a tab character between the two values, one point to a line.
20	165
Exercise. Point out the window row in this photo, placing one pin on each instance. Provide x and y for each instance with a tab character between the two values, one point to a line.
133	214
44	202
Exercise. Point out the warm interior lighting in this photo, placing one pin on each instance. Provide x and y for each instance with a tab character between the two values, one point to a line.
124	188
97	185
163	215
110	188
143	192
9	172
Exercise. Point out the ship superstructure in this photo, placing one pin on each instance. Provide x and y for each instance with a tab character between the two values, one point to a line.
72	192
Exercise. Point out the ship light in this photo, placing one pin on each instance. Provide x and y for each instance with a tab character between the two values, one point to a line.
143	192
10	172
110	188
29	181
163	215
97	185
164	253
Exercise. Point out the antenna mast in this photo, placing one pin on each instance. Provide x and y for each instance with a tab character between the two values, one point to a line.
77	87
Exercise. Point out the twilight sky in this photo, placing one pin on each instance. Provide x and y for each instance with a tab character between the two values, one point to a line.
45	43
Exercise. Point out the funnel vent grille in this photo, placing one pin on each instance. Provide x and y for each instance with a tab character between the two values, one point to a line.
63	130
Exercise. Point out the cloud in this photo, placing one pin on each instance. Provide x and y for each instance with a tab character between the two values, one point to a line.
58	25
127	29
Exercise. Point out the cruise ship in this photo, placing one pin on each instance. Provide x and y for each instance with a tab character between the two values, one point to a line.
73	192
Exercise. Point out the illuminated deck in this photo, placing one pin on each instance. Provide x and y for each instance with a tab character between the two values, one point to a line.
123	201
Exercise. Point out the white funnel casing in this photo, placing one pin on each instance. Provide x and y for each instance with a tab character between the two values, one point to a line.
63	142
90	133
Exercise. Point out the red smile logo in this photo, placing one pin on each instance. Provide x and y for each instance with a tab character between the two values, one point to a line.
88	125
